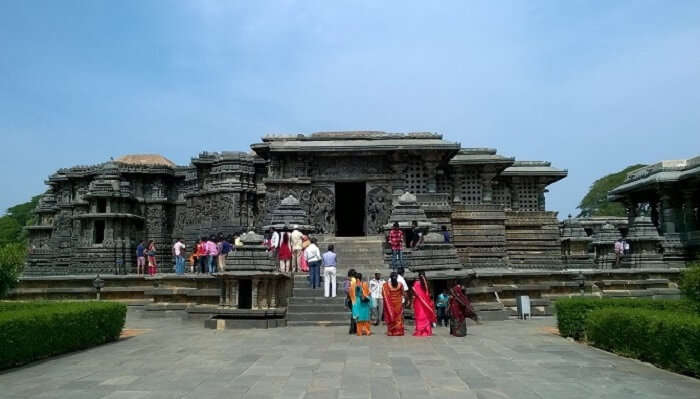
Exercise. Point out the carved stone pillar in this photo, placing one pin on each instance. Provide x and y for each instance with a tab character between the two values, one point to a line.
255	293
515	194
487	186
233	286
398	180
431	170
273	294
688	210
263	296
541	189
223	291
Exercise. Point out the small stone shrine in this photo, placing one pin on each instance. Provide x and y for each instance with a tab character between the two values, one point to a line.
604	245
645	244
287	216
407	211
574	245
250	280
435	257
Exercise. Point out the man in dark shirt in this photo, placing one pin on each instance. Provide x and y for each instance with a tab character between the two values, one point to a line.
140	258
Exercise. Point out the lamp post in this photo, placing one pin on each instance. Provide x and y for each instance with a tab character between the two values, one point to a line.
98	283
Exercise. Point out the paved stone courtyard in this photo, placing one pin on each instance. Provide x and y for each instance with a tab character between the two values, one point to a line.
175	359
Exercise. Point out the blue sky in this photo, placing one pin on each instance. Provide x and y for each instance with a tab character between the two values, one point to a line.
590	86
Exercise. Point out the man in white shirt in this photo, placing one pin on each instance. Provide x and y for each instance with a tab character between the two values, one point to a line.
402	281
375	288
274	242
313	258
295	239
178	251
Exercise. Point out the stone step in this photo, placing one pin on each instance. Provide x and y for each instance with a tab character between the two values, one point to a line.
316	308
338	300
305	323
314	316
307	292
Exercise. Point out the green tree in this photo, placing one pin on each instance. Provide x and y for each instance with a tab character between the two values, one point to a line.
12	224
11	264
596	203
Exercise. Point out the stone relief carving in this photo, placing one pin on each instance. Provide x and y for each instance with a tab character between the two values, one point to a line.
378	209
321	210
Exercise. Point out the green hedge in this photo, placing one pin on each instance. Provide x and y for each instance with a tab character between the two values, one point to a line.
35	330
572	312
669	340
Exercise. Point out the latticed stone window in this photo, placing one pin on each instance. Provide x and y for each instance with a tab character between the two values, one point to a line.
444	185
501	194
470	186
528	195
416	178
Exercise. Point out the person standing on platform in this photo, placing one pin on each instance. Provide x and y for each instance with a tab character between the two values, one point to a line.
140	258
151	253
274	242
226	248
296	241
423	307
285	253
303	264
202	255
375	287
212	252
329	270
361	308
313	258
460	310
392	298
179	252
396	243
442	302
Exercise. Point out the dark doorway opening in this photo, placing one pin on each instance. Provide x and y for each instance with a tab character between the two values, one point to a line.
245	294
350	209
99	232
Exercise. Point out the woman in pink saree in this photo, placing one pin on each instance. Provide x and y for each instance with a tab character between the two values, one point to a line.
423	308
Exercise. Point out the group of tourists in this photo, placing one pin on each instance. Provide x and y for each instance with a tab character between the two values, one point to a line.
146	252
297	252
621	248
380	300
208	257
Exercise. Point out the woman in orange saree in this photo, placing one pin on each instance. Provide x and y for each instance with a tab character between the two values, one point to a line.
423	308
392	295
361	306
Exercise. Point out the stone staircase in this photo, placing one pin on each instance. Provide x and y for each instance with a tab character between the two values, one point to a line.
364	254
308	307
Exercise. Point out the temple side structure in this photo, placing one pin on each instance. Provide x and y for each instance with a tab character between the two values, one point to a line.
665	195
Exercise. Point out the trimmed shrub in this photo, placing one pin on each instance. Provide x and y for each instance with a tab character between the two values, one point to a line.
670	340
11	265
572	312
35	330
690	283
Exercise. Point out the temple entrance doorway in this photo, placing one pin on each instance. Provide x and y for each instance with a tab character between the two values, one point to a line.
350	209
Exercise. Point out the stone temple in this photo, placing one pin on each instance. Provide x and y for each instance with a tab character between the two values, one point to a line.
347	188
92	217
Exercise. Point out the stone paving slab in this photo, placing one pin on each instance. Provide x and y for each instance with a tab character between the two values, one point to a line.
497	360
